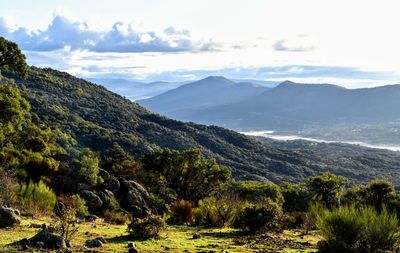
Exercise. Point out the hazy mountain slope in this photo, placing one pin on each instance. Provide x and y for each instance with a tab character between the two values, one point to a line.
296	106
134	90
97	118
211	91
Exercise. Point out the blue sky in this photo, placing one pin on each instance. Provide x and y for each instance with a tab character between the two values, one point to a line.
351	43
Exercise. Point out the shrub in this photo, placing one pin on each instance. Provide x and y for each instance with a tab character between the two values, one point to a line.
264	216
147	228
363	229
255	191
118	217
327	188
73	202
66	223
296	197
37	198
7	189
220	211
182	211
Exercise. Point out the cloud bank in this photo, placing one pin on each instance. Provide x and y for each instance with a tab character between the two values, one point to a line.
63	33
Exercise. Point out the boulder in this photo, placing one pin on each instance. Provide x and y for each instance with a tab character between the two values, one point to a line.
112	184
93	202
104	174
133	250
93	243
9	217
133	198
108	199
47	240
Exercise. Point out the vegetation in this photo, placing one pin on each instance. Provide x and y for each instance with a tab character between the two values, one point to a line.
146	228
363	229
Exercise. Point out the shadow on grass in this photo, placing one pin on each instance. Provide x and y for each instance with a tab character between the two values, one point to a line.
223	235
124	239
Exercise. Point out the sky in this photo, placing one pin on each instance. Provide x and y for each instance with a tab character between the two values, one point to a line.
353	43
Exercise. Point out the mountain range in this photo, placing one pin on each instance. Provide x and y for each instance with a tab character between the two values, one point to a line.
287	106
98	118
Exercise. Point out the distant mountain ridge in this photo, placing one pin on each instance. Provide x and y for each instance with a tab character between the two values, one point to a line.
297	106
209	92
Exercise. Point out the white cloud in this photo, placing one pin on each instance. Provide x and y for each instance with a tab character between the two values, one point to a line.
122	37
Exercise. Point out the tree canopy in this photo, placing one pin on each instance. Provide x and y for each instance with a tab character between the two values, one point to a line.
12	59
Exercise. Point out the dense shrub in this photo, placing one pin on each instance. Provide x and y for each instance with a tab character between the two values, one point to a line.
182	211
264	216
255	191
146	228
7	188
218	211
71	202
357	229
37	198
327	188
118	217
296	197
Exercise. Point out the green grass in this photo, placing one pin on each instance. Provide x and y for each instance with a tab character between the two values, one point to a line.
174	239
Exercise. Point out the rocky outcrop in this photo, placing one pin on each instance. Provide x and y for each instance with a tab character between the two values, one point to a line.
46	240
9	217
133	198
93	201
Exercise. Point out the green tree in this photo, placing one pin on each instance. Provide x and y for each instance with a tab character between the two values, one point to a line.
186	172
12	59
89	171
326	188
117	161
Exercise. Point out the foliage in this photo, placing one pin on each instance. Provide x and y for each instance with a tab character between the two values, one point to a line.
37	198
256	191
147	228
118	217
12	59
326	188
219	210
358	229
186	172
264	216
296	197
66	223
117	161
8	188
89	171
182	211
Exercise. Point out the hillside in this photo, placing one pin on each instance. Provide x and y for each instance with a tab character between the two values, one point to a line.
298	106
193	97
97	118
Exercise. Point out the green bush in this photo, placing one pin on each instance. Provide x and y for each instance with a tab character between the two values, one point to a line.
255	191
220	211
147	228
262	217
37	198
296	197
362	229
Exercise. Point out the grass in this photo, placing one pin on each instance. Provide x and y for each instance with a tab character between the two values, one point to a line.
174	239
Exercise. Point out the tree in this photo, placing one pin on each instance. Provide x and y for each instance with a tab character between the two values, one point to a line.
117	161
12	59
327	188
13	112
186	172
89	170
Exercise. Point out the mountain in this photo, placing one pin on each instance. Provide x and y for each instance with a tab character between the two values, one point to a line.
135	90
98	118
193	97
299	106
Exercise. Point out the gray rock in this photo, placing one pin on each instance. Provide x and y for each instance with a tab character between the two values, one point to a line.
9	217
104	174
108	198
93	201
133	198
40	245
93	243
101	239
50	240
91	218
112	184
